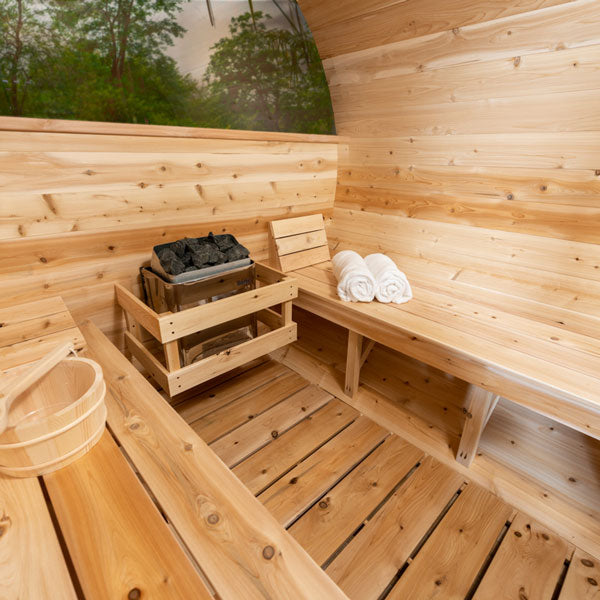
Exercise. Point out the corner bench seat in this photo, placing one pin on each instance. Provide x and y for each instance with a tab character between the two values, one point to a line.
543	357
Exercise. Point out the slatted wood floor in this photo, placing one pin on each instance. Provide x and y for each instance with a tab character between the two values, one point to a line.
382	518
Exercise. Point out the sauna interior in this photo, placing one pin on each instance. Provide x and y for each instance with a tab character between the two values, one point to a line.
447	447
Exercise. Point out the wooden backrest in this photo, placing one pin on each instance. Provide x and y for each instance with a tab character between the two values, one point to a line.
298	242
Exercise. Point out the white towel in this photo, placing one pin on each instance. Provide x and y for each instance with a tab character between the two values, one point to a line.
355	281
392	284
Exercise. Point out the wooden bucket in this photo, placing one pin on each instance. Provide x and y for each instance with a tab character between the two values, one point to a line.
54	422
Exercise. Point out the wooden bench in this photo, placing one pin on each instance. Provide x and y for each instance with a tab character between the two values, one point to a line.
149	512
539	355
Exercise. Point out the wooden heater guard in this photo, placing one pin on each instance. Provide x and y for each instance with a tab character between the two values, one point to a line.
273	288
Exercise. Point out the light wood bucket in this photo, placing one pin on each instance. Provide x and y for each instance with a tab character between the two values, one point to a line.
57	420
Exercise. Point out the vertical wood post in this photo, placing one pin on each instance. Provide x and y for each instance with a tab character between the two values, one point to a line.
480	405
172	355
353	364
286	313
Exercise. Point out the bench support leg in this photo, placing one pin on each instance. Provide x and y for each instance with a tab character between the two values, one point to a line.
480	405
353	363
172	355
366	351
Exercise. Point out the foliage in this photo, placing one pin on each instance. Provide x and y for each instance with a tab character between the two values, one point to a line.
105	60
22	32
267	79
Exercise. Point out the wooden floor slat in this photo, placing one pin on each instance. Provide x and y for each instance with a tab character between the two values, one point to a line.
324	528
383	518
31	562
305	484
450	560
368	564
528	564
264	467
225	419
132	551
243	441
583	578
197	405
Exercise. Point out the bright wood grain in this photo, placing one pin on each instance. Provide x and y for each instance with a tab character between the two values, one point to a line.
401	403
305	484
240	547
194	405
117	538
31	561
226	360
529	563
480	404
413	336
353	363
241	442
567	25
325	527
154	185
582	579
246	407
382	23
451	558
367	565
103	128
262	468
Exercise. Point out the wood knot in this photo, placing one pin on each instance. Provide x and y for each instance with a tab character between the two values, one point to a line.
274	434
43	259
592	581
586	562
213	519
134	426
518	534
134	594
294	480
510	197
268	552
517	61
323	504
545	536
522	594
188	447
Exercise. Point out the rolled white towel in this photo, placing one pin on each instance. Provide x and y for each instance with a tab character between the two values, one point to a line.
355	281
392	284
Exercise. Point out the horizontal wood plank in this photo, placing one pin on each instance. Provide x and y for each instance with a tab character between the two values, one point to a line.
262	468
32	563
327	525
366	566
529	562
305	484
118	540
243	441
243	551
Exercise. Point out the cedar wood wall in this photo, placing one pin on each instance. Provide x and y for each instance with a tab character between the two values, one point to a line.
474	130
82	204
474	161
475	112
